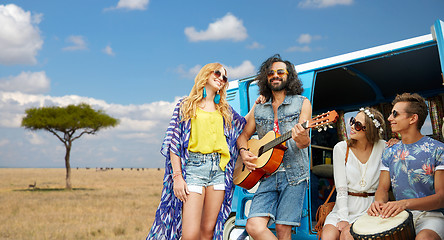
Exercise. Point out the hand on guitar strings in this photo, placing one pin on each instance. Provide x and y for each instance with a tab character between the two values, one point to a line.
248	158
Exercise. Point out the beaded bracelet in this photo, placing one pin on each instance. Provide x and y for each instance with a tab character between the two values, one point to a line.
176	174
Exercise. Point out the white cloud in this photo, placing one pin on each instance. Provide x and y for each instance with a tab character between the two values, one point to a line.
323	3
255	45
26	82
4	142
20	38
108	50
190	73
135	136
78	43
11	120
299	49
34	138
133	117
138	136
131	5
135	124
306	38
227	28
244	70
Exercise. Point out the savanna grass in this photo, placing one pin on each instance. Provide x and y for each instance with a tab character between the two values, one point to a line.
112	204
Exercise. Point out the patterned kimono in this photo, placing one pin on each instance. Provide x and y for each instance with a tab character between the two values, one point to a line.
168	221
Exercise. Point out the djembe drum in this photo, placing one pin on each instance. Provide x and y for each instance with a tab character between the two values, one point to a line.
399	227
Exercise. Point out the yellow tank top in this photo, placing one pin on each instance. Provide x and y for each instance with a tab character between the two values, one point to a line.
207	135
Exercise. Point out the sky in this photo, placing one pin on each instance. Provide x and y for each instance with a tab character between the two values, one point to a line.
134	59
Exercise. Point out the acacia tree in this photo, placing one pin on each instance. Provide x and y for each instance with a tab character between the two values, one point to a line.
68	124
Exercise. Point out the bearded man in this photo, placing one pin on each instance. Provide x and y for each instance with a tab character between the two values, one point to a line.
280	196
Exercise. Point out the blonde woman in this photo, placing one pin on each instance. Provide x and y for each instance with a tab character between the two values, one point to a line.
357	180
200	151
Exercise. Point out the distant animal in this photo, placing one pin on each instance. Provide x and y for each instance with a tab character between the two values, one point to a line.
32	185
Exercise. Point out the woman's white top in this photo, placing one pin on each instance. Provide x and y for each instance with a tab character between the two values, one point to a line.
348	178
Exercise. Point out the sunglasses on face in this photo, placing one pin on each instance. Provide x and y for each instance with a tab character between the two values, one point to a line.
279	72
358	124
395	113
217	73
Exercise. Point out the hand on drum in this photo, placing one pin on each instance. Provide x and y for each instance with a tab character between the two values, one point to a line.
391	209
386	210
374	209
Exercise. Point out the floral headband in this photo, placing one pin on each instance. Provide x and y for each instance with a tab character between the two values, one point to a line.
374	120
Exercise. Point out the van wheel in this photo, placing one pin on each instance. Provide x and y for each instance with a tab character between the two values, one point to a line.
231	232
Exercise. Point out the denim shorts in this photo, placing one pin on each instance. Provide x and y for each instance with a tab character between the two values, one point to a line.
278	200
202	170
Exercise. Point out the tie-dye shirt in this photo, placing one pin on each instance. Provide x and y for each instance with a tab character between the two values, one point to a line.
168	221
412	167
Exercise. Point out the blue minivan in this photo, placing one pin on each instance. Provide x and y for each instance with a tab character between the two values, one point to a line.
376	75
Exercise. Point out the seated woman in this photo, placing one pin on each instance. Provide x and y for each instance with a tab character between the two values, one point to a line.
357	179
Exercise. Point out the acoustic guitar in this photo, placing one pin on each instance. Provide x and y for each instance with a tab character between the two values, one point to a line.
270	150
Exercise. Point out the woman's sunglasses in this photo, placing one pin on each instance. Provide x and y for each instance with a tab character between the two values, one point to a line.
217	73
358	124
279	72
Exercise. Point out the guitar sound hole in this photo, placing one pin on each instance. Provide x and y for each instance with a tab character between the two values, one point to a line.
261	150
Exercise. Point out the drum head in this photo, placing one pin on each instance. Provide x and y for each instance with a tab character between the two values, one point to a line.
366	225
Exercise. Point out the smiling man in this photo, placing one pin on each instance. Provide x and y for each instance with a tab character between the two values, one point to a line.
415	169
280	196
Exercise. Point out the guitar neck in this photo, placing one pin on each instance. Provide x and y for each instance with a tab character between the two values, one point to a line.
279	140
318	122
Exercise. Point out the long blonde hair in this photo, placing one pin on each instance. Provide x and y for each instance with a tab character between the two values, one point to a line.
189	104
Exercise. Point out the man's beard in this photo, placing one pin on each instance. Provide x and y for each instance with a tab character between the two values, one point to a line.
279	87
